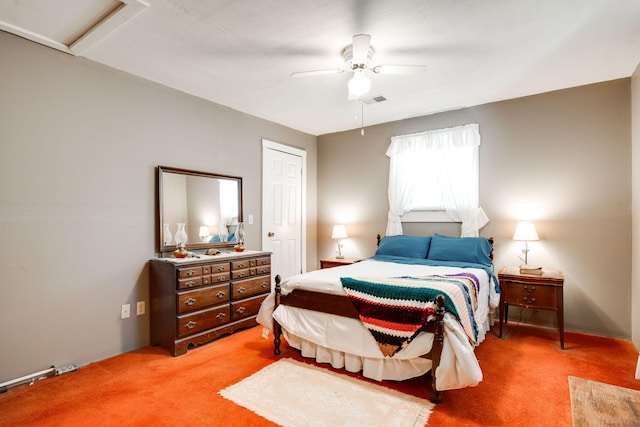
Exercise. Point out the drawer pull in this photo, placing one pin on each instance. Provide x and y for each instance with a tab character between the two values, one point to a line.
220	294
190	301
240	274
264	270
190	273
190	325
242	290
527	300
190	284
221	279
264	284
220	268
241	265
241	310
221	316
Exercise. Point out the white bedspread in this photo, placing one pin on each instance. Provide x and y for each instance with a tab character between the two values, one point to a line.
346	343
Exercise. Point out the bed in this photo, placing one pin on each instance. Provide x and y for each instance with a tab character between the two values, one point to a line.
420	304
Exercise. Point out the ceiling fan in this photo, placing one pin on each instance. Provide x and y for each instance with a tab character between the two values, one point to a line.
358	58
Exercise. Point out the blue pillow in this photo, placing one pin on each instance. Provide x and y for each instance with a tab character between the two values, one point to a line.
462	249
404	246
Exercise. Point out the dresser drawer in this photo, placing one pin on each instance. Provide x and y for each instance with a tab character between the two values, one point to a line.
242	264
263	261
199	321
202	298
242	274
250	287
190	283
529	295
184	273
220	268
263	269
246	308
219	278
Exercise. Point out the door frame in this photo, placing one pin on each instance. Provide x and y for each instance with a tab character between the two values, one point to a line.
271	145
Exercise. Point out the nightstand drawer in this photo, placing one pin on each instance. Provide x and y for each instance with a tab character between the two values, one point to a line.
530	295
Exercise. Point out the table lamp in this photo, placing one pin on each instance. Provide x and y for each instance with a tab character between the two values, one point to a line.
526	232
339	232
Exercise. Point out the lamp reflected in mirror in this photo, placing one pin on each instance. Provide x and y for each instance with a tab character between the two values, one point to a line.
204	233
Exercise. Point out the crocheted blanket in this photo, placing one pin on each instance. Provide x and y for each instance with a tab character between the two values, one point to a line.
396	309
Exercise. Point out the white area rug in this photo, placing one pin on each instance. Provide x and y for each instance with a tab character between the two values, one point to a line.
292	394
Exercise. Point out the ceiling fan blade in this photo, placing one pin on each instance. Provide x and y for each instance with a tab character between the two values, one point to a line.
361	43
317	72
399	69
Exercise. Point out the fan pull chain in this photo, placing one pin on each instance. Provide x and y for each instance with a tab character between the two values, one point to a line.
362	118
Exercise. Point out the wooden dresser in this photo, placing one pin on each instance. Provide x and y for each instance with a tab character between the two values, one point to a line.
195	301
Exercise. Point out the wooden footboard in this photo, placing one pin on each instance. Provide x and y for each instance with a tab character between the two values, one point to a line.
342	306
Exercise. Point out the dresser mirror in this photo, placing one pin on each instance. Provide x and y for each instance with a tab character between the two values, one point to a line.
207	206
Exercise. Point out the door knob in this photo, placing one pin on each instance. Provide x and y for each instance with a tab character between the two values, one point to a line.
271	234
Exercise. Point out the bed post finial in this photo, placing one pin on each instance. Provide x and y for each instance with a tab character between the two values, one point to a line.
277	329
436	350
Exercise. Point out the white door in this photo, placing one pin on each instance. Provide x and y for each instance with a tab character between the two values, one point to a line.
283	202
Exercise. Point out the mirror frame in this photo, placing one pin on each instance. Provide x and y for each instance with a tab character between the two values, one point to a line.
160	214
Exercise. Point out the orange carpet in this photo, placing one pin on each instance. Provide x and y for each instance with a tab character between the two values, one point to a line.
525	382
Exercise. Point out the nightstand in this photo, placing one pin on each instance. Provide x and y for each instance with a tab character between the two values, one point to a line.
542	292
335	262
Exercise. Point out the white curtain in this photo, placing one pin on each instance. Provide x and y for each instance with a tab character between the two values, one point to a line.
456	153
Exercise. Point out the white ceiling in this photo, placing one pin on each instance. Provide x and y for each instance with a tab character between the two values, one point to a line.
240	53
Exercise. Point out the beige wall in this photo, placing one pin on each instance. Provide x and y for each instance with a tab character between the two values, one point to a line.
561	159
79	144
635	284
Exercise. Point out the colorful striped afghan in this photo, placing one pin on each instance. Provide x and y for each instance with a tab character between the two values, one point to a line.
395	309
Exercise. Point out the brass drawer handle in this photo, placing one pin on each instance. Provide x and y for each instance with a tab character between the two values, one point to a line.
264	270
532	299
220	268
221	279
191	273
190	325
190	284
241	265
190	301
241	310
221	316
240	274
242	290
264	284
220	294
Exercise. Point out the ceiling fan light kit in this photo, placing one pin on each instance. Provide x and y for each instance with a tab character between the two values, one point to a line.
358	57
358	85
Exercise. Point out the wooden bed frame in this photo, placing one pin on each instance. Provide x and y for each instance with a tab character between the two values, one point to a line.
341	305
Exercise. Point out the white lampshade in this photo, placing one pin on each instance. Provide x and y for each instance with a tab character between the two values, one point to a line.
359	84
339	232
525	231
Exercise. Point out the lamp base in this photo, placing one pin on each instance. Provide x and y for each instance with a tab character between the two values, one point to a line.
339	257
527	269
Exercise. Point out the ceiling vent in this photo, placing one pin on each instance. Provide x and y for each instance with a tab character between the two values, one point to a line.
374	100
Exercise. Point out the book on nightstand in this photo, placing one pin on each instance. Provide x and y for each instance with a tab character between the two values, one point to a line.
526	269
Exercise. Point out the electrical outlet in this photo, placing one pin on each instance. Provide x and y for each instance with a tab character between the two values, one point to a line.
140	308
125	312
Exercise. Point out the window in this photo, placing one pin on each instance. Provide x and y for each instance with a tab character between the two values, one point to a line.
436	170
